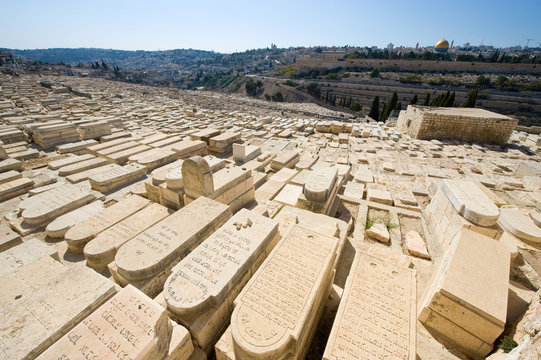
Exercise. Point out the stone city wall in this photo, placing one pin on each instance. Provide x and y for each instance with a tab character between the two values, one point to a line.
327	62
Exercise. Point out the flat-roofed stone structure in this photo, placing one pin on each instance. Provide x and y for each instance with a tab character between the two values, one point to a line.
464	124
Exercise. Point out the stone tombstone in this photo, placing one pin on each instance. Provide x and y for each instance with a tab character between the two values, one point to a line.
197	177
102	249
128	326
376	318
33	323
81	233
155	249
201	289
277	312
319	183
466	300
471	202
48	205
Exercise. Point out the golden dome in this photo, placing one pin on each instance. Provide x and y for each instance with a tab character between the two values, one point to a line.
442	44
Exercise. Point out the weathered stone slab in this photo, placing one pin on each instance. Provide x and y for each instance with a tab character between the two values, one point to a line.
121	157
289	195
85	175
320	183
286	159
376	318
117	177
519	225
24	253
8	237
201	289
363	174
155	158
380	196
81	166
50	204
58	227
466	301
20	282
117	148
32	324
84	231
189	148
11	164
278	310
14	188
128	326
284	175
471	202
165	243
9	176
108	144
101	250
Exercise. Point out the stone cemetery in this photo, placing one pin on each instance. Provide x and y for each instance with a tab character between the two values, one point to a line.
153	223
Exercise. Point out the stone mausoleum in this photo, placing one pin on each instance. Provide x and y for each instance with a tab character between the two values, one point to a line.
464	124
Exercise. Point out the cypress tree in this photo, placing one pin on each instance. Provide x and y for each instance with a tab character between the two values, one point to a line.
374	109
450	100
414	100
471	99
427	100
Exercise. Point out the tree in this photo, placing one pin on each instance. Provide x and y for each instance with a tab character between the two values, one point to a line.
450	100
483	82
413	101
374	73
313	89
427	100
398	106
374	109
471	99
355	106
251	88
390	106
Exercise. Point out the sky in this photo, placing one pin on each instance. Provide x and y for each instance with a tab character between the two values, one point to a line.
232	26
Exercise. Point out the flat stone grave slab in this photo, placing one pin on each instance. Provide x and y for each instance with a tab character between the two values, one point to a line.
201	288
28	251
519	225
9	176
128	326
167	242
19	283
101	250
81	166
14	188
82	232
471	202
32	324
8	237
289	194
277	312
112	179
377	315
48	205
85	175
58	227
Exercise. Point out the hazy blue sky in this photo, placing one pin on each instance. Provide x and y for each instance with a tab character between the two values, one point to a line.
228	26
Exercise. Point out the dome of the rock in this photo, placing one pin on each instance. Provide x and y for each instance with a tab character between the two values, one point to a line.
442	46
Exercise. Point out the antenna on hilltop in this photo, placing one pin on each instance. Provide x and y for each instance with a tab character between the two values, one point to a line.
528	41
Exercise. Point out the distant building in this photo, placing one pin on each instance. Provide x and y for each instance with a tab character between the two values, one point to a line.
463	124
441	46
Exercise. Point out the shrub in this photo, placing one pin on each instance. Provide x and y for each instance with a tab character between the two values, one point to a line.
507	344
